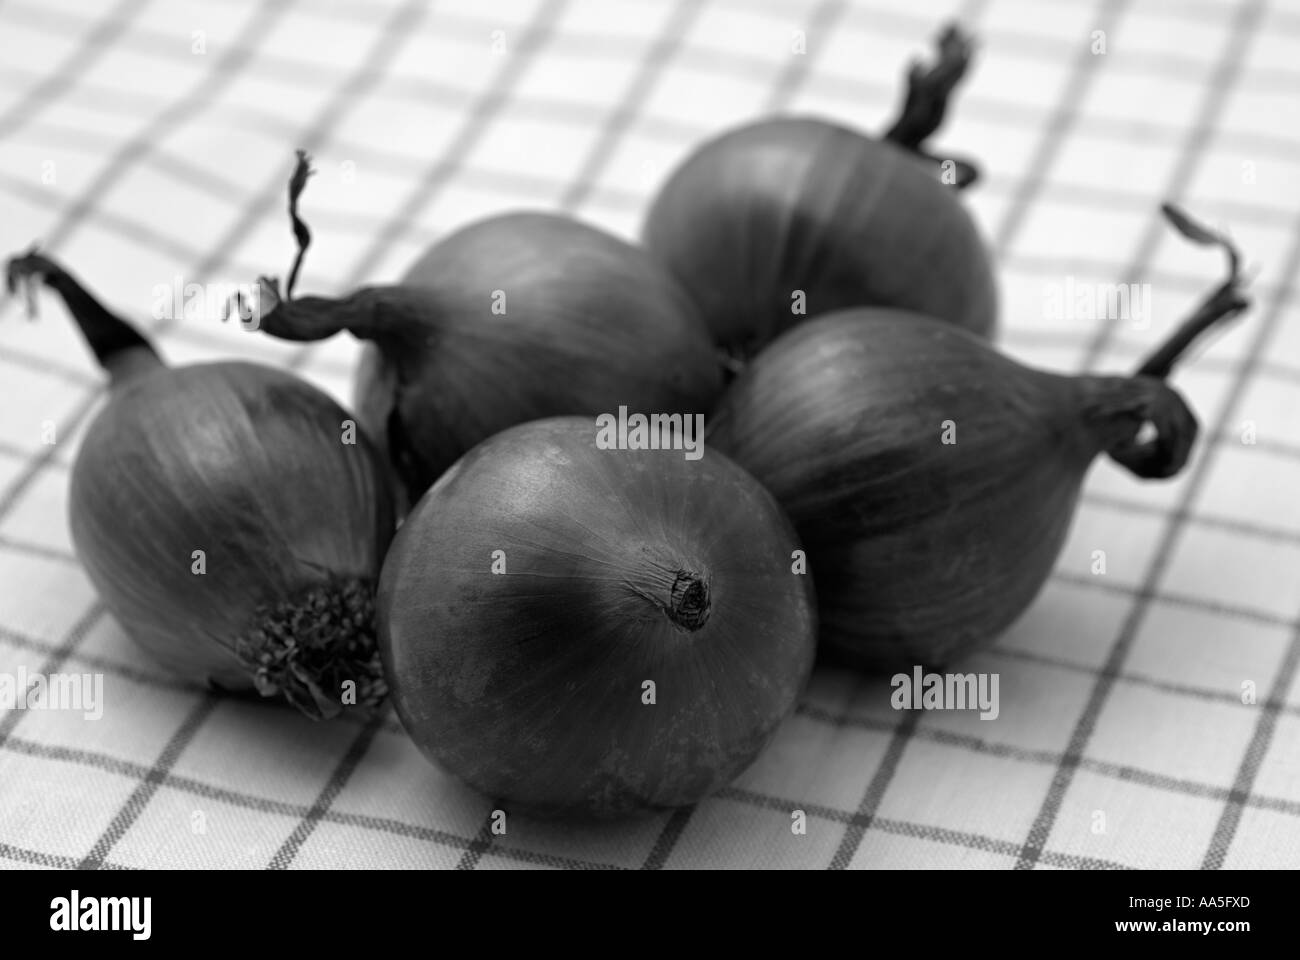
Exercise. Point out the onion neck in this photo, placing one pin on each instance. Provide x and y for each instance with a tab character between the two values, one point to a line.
393	314
121	350
1226	302
1115	409
1222	304
379	313
928	93
308	647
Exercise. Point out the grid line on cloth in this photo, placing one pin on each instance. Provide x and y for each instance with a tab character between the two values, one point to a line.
481	844
1053	138
392	34
145	790
224	71
683	14
1260	740
36	857
56	658
265	805
1054	758
560	111
356	751
93	45
1266	725
480	116
788	82
870	816
1143	680
1223	79
880	780
1009	113
856	823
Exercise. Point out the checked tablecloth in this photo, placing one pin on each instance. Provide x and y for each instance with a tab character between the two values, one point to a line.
144	141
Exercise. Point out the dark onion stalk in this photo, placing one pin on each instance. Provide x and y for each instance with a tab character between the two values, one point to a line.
924	550
792	204
616	568
514	318
249	465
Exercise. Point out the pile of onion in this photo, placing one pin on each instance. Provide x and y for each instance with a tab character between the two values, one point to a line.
588	629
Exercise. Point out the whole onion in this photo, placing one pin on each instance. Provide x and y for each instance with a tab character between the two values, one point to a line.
585	631
790	217
229	517
933	479
513	318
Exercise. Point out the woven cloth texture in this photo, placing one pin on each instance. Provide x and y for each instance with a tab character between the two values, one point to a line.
144	141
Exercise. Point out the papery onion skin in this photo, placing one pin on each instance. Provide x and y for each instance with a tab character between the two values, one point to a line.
528	684
802	204
243	462
290	507
516	317
924	550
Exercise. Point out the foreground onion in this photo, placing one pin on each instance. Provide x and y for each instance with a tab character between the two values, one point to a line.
517	317
542	583
934	479
791	217
227	518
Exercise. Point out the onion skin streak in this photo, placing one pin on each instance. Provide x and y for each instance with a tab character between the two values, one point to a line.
621	567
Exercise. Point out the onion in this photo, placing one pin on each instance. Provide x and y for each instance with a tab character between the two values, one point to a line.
934	479
542	583
227	518
517	317
791	217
